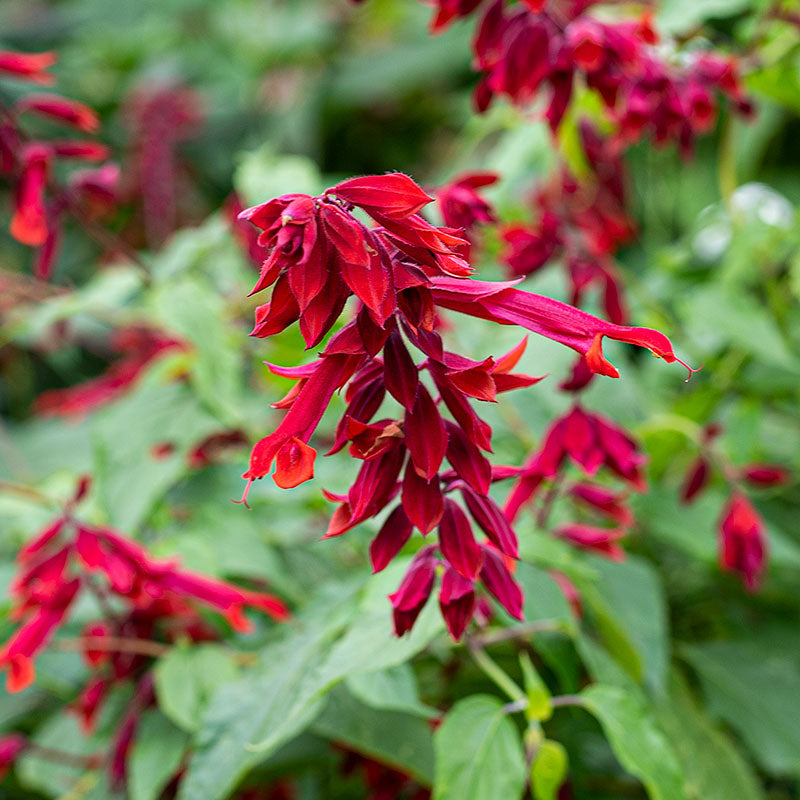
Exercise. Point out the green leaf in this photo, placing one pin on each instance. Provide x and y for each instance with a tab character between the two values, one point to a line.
756	690
678	16
627	603
186	678
642	749
393	688
155	756
713	767
549	770
478	753
403	741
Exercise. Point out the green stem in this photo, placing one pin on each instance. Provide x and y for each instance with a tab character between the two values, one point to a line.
493	671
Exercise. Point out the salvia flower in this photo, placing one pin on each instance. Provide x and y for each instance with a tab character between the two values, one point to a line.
425	464
743	541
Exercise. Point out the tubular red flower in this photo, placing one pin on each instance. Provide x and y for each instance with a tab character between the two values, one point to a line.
29	223
61	109
28	66
743	541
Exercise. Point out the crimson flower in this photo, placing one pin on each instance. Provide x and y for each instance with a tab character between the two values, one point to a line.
28	66
743	541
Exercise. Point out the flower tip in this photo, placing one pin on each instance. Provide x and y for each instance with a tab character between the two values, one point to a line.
692	370
243	500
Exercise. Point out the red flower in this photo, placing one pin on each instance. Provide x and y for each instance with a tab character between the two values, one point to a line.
743	541
591	537
60	109
29	223
11	744
543	315
462	206
765	474
28	66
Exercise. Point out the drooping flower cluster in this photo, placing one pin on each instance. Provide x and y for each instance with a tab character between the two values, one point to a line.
70	557
40	203
591	442
742	534
403	271
582	222
533	47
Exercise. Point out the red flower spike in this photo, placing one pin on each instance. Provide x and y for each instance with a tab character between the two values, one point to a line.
294	464
391	538
697	477
422	500
29	223
765	475
426	437
499	582
457	542
743	541
400	372
60	109
28	66
457	602
461	205
414	590
394	195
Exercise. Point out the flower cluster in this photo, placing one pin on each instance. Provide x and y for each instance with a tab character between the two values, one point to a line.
742	534
590	442
40	203
550	46
581	221
70	557
404	272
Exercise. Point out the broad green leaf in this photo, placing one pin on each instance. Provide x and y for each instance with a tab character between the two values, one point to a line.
548	770
393	688
641	747
478	753
756	690
403	741
679	16
713	767
629	602
248	720
186	678
155	757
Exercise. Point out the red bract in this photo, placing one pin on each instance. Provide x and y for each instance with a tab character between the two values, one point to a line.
412	594
743	541
765	475
462	206
591	537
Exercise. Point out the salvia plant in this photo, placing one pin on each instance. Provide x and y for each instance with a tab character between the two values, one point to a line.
489	567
